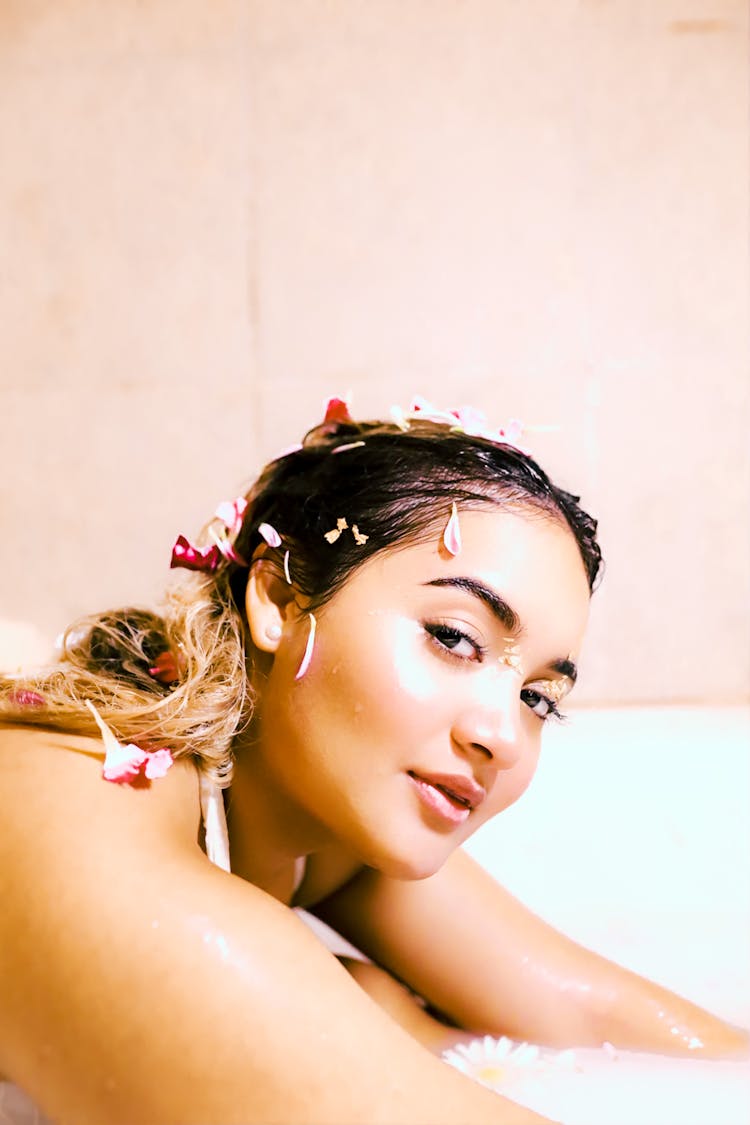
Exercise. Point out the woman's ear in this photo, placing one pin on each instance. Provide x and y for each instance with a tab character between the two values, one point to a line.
269	603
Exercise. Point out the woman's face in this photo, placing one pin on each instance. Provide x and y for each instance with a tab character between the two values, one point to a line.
421	712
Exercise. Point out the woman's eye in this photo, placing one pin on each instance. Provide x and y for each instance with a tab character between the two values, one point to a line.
455	641
542	706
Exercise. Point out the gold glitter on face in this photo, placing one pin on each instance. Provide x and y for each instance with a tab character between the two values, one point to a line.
511	657
556	690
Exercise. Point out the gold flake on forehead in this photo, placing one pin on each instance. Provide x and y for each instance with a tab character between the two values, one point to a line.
333	535
511	657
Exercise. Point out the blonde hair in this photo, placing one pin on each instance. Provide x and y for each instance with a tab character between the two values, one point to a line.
198	716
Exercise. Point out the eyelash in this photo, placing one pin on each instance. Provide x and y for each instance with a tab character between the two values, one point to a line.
553	711
440	634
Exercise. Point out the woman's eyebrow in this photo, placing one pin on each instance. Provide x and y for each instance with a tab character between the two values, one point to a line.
565	668
505	614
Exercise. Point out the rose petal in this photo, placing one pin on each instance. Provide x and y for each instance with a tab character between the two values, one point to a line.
270	534
23	697
124	763
308	649
452	533
185	555
337	411
230	512
351	445
225	547
166	668
158	762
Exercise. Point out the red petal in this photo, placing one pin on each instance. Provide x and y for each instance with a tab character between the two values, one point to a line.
337	411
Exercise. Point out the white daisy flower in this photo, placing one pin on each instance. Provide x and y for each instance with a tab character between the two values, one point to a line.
498	1062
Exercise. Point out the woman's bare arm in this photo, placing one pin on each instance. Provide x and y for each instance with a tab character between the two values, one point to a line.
142	985
491	965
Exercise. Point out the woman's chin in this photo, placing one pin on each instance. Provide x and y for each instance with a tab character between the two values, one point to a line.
408	866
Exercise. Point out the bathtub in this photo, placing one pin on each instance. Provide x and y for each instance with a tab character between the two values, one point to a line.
634	839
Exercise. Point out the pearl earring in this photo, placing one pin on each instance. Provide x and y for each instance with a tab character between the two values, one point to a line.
273	632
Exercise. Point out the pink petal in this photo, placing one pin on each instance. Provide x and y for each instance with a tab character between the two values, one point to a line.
337	411
25	698
308	649
452	533
270	534
165	668
430	413
185	555
225	547
230	512
158	763
351	445
472	421
398	416
123	763
511	435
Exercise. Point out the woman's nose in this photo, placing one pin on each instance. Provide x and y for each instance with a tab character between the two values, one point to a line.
493	732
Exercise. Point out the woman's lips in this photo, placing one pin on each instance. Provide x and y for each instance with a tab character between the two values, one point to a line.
450	796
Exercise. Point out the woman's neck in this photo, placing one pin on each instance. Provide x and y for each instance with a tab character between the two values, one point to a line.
268	833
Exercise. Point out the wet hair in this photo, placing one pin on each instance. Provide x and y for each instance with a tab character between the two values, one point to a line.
397	486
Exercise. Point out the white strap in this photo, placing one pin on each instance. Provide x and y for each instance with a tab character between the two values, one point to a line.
214	823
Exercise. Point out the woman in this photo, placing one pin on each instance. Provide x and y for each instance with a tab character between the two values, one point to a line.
369	646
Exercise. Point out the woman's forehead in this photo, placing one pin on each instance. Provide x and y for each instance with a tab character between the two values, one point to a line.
528	553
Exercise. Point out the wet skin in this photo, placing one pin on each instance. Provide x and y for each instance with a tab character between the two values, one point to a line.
409	682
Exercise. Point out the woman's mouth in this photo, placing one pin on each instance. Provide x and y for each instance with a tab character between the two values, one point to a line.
451	798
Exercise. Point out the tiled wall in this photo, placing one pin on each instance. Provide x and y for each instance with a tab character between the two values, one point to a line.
214	215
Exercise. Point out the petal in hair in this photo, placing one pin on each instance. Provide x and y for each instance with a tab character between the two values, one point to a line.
23	697
350	445
230	512
185	555
334	534
308	649
270	534
398	416
166	668
420	407
287	574
225	547
337	412
358	536
157	763
123	764
452	533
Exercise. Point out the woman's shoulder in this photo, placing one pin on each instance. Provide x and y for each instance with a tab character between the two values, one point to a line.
60	771
51	783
